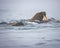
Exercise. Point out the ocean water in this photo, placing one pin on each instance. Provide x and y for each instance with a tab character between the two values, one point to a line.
44	35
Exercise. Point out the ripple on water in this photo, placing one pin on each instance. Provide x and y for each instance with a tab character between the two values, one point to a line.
38	44
58	40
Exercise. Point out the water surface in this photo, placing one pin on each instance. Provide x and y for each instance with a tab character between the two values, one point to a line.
46	35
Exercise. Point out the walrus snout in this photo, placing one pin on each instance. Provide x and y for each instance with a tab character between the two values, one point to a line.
43	13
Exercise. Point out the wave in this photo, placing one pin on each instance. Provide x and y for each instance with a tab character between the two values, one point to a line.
30	25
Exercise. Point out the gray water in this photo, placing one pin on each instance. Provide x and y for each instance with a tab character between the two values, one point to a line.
45	35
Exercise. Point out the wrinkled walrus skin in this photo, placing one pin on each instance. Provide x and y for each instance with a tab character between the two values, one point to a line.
38	16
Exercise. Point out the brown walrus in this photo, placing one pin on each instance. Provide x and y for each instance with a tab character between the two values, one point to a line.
38	17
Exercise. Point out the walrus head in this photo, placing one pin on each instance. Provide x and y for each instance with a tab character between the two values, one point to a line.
44	16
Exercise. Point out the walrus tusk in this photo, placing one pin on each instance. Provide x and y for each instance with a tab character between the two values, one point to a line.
45	18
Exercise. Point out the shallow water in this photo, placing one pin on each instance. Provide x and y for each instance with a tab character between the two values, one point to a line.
46	35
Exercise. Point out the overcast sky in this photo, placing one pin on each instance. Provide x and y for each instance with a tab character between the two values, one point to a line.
24	9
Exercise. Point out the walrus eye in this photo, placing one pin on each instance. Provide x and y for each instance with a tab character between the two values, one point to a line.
44	13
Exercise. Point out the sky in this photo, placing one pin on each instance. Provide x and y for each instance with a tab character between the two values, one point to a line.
26	9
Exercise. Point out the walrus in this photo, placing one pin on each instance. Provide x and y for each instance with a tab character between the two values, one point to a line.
39	17
18	24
